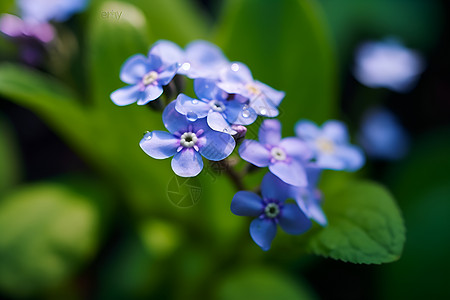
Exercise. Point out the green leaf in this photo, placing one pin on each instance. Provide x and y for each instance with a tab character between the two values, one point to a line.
10	170
286	46
365	225
263	284
48	231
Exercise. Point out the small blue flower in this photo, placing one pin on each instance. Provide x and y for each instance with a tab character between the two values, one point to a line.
286	158
146	76
237	79
270	210
213	103
200	59
382	136
331	146
187	141
17	28
42	11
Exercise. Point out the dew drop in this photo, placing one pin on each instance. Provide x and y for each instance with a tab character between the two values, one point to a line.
148	135
194	101
245	113
235	67
263	111
186	66
192	116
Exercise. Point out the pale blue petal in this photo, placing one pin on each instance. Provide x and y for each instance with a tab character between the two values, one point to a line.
254	153
134	68
237	73
151	92
186	104
169	52
296	148
216	145
263	232
159	144
217	122
274	188
173	120
207	89
263	106
270	132
352	156
307	130
292	173
205	58
335	131
127	95
293	221
187	163
247	204
167	74
275	96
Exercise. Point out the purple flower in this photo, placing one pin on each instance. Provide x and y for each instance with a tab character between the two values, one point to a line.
237	79
285	158
270	210
17	28
330	145
388	64
41	11
187	141
146	76
213	104
382	136
201	59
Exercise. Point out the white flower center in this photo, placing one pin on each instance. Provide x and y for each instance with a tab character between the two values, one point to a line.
253	89
325	145
150	77
217	105
278	153
188	139
272	210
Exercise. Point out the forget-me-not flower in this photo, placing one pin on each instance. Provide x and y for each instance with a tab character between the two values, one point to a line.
237	79
146	77
270	210
42	11
187	142
213	103
286	158
15	27
330	144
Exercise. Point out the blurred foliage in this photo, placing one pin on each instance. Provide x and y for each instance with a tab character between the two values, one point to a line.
10	171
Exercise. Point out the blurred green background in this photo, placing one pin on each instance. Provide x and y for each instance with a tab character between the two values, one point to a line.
86	214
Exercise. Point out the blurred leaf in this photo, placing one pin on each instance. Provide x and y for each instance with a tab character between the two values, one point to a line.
6	6
365	225
48	231
286	46
261	283
10	169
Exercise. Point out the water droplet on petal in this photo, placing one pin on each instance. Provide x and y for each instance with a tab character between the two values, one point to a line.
263	111
186	66
235	67
245	113
194	101
192	116
148	135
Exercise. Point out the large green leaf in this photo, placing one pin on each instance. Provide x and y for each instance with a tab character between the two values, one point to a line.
286	46
365	225
261	283
48	231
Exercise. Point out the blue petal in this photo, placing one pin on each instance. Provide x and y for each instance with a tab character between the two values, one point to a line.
134	68
293	220
254	153
207	89
231	87
270	132
187	163
237	73
307	130
247	204
155	62
263	232
173	120
151	92
127	95
167	74
239	113
335	131
169	52
292	173
275	96
296	148
309	204
215	145
159	144
217	122
352	156
263	106
186	104
330	161
205	58
274	188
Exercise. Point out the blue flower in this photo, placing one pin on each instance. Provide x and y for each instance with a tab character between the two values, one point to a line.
270	210
286	158
200	59
15	27
213	104
330	144
237	79
382	136
187	141
146	76
42	11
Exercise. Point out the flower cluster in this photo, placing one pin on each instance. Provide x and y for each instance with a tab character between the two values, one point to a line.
210	124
